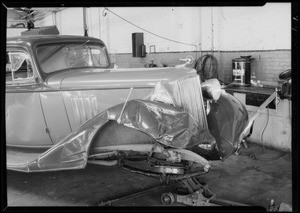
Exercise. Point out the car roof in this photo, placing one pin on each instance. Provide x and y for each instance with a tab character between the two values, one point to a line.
32	39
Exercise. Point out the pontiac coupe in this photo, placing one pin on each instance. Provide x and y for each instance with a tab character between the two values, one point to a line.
66	106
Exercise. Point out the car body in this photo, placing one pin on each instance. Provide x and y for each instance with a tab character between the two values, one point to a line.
66	106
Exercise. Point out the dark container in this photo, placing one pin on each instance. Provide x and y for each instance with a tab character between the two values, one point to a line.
138	47
241	71
48	30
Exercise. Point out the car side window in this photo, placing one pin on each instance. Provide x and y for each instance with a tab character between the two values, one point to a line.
98	57
18	68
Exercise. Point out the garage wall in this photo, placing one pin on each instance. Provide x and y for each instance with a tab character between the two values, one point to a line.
227	32
13	19
267	65
11	32
221	28
255	28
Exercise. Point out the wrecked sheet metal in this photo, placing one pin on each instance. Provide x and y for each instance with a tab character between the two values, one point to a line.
167	124
227	119
185	93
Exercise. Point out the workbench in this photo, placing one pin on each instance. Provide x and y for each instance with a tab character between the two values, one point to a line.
251	89
273	126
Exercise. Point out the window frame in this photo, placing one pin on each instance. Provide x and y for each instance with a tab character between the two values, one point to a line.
22	81
101	45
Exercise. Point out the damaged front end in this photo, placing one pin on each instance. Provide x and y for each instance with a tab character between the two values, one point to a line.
171	130
138	129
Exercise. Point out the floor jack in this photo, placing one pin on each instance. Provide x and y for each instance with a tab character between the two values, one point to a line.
198	195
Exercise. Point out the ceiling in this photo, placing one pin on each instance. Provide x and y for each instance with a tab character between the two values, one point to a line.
24	14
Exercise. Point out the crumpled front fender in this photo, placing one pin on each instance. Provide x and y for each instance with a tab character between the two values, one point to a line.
167	124
227	120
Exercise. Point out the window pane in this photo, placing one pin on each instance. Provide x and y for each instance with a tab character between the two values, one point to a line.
55	57
17	60
18	67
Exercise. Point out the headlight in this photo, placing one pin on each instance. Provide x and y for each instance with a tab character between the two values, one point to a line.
211	89
206	146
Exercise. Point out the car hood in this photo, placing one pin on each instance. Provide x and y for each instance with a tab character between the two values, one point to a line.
77	79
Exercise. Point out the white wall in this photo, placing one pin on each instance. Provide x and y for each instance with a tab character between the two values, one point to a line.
12	19
219	28
255	28
172	23
11	32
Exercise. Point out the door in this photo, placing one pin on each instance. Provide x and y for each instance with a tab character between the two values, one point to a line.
25	123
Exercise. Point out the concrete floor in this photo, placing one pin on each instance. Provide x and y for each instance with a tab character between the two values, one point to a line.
238	178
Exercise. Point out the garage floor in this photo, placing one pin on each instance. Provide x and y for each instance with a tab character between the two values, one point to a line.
238	178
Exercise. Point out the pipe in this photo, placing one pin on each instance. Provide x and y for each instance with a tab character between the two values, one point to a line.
187	175
223	202
85	28
141	172
119	119
257	112
103	162
158	175
15	25
212	31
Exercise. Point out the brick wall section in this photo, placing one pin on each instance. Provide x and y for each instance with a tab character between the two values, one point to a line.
267	65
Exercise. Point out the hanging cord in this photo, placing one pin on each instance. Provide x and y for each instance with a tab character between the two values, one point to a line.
179	42
148	31
263	144
207	71
84	22
262	132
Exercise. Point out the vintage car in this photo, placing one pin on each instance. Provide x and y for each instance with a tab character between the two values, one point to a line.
66	106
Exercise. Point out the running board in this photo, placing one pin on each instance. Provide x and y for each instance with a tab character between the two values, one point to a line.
18	158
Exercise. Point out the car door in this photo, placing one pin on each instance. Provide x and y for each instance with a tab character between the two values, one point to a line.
25	123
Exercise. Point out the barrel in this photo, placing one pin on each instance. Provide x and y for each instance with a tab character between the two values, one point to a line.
241	71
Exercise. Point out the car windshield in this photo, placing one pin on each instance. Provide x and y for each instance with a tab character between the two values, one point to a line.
59	56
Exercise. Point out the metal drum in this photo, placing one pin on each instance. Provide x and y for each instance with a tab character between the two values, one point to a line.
241	71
